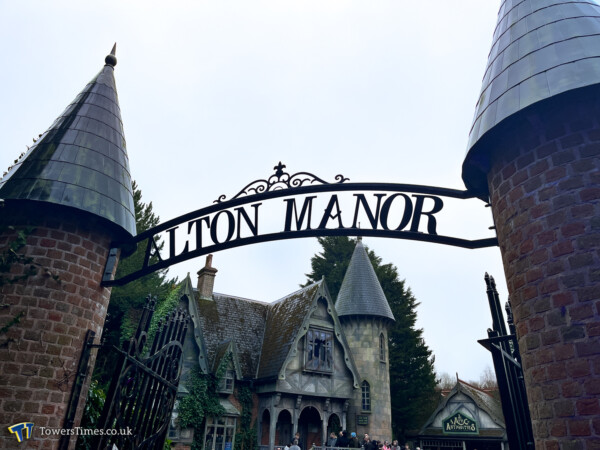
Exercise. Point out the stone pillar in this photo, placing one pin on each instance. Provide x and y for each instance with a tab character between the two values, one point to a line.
544	185
272	427
56	306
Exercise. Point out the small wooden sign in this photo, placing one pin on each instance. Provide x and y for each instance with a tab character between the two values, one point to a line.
362	419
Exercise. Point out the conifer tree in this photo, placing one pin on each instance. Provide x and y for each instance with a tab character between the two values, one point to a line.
126	302
412	375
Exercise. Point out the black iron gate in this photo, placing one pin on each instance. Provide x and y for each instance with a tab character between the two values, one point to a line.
142	392
509	372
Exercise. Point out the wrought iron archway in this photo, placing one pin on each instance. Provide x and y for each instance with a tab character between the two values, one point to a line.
417	205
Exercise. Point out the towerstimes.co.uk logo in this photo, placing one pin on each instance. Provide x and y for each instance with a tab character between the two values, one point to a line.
21	430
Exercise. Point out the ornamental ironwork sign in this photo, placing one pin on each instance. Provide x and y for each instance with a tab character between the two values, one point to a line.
459	423
281	180
310	207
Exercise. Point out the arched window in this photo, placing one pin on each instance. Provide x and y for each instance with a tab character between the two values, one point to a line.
366	396
381	348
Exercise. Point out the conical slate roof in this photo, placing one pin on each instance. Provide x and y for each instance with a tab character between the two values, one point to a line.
81	160
540	49
360	293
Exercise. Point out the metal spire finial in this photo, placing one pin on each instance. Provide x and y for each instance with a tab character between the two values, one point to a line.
111	60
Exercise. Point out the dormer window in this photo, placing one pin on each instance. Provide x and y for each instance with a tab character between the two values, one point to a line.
319	350
227	382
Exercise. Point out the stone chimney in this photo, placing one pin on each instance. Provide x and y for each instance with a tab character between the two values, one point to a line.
206	279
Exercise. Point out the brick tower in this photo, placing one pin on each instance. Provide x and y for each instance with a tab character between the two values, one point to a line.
365	316
71	195
534	152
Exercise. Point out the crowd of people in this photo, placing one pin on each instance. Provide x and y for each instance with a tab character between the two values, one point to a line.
352	441
345	440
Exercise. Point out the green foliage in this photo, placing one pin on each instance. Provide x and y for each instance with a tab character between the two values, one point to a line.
11	256
245	438
332	262
126	302
91	414
202	401
412	375
168	305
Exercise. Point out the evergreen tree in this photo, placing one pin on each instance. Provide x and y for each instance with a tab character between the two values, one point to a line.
126	302
412	375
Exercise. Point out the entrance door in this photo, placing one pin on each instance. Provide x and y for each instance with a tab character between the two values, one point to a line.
334	425
283	431
310	427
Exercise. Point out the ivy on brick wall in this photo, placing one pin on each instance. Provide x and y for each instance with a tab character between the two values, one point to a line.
245	438
201	402
11	256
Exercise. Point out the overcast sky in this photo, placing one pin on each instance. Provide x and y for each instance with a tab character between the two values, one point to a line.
214	94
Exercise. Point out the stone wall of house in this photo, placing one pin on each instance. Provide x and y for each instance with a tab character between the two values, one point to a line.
363	339
545	195
39	354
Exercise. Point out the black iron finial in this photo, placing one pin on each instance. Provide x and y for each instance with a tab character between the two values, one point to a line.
279	169
111	60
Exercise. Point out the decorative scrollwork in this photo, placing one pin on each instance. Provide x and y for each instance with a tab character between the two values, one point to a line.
281	180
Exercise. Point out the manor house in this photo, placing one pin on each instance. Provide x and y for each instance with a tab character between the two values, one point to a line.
314	366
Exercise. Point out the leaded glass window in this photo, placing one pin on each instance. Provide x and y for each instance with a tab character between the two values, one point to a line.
219	433
319	350
366	396
226	383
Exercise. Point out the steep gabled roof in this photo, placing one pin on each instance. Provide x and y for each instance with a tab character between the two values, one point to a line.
288	321
81	160
483	400
240	320
261	337
223	349
284	321
186	292
361	293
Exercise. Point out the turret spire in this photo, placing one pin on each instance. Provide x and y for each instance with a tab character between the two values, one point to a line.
539	51
361	293
81	160
111	60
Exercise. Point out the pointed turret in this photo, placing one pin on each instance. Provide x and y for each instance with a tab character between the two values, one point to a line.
534	155
540	50
361	293
81	160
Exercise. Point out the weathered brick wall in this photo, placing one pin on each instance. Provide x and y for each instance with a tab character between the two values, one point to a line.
545	193
38	364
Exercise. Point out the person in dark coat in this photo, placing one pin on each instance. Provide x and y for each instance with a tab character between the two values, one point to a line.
343	440
353	441
369	444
